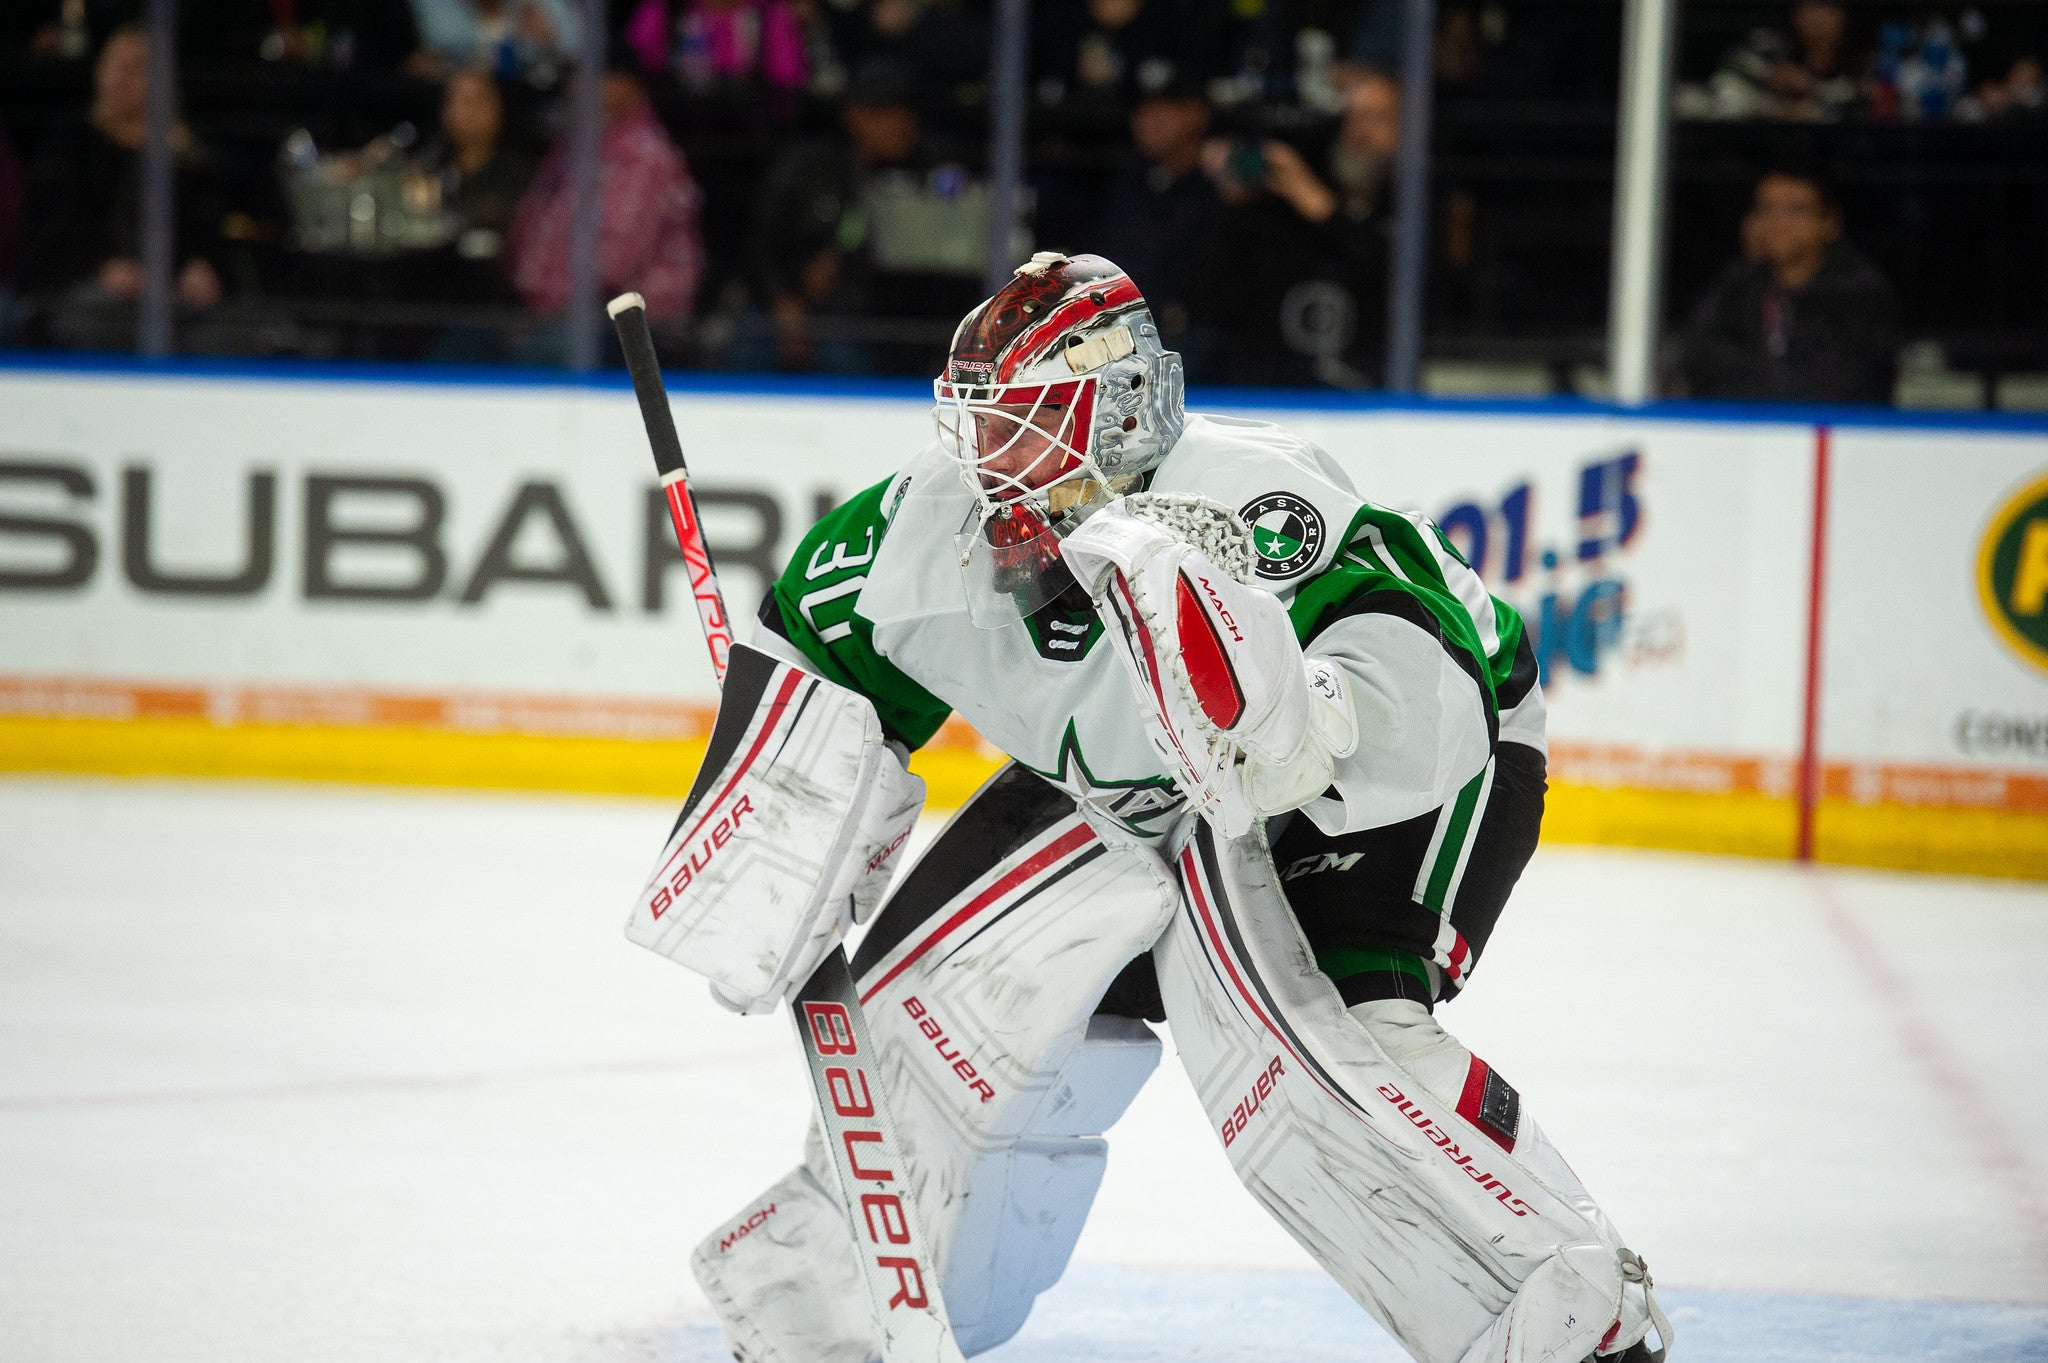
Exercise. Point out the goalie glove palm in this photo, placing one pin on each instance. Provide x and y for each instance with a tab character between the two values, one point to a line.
1247	724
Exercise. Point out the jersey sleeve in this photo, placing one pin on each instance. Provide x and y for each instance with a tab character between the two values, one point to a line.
1386	612
813	607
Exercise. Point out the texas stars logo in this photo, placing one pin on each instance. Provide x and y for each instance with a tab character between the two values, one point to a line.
1287	533
1132	805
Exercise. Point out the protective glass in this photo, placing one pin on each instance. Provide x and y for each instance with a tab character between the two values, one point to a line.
1010	440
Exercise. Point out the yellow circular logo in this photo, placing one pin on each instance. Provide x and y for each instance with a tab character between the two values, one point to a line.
2012	572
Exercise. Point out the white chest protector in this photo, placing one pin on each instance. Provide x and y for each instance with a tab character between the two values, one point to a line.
1072	719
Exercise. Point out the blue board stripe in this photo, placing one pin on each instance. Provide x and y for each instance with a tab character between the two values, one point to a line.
717	383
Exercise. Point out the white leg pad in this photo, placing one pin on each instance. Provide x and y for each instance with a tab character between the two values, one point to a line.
1001	1083
1400	1162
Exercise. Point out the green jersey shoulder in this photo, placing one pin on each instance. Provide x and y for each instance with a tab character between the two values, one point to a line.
813	606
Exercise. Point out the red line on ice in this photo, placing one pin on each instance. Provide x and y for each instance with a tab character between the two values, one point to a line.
1988	1136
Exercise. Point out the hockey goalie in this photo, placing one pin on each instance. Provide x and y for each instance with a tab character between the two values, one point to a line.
1276	762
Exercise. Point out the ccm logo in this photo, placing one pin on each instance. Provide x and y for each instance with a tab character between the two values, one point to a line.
746	1228
853	1110
700	857
1441	1139
937	1036
1222	611
1249	1105
1317	863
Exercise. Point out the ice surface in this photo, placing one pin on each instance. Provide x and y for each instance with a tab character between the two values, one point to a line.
306	1074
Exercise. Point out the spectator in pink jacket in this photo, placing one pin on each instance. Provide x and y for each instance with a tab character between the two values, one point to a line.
647	240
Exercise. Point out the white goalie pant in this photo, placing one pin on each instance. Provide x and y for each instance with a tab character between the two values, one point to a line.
980	999
1390	1152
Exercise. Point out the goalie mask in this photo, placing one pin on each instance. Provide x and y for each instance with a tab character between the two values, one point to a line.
1056	391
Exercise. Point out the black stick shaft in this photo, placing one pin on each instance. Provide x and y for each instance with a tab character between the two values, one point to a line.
629	319
629	316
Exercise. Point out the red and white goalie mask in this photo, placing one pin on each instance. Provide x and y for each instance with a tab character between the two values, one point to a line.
1012	440
1053	388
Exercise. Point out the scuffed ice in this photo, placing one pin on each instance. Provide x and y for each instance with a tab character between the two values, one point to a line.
301	1075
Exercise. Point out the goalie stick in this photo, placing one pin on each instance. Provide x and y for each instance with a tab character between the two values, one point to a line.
896	1261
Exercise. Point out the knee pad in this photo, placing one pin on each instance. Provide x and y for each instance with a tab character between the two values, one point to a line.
1409	1034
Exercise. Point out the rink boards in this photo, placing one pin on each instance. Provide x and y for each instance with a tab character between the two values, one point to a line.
367	577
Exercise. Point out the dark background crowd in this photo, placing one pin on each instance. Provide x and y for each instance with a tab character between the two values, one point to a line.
1858	208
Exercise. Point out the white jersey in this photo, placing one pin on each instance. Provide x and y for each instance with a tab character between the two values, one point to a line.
876	598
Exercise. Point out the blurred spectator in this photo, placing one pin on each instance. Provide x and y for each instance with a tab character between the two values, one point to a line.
728	47
1359	163
2004	47
84	248
1808	319
1161	217
1361	158
857	225
1289	52
482	175
1805	72
647	240
527	40
1306	291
